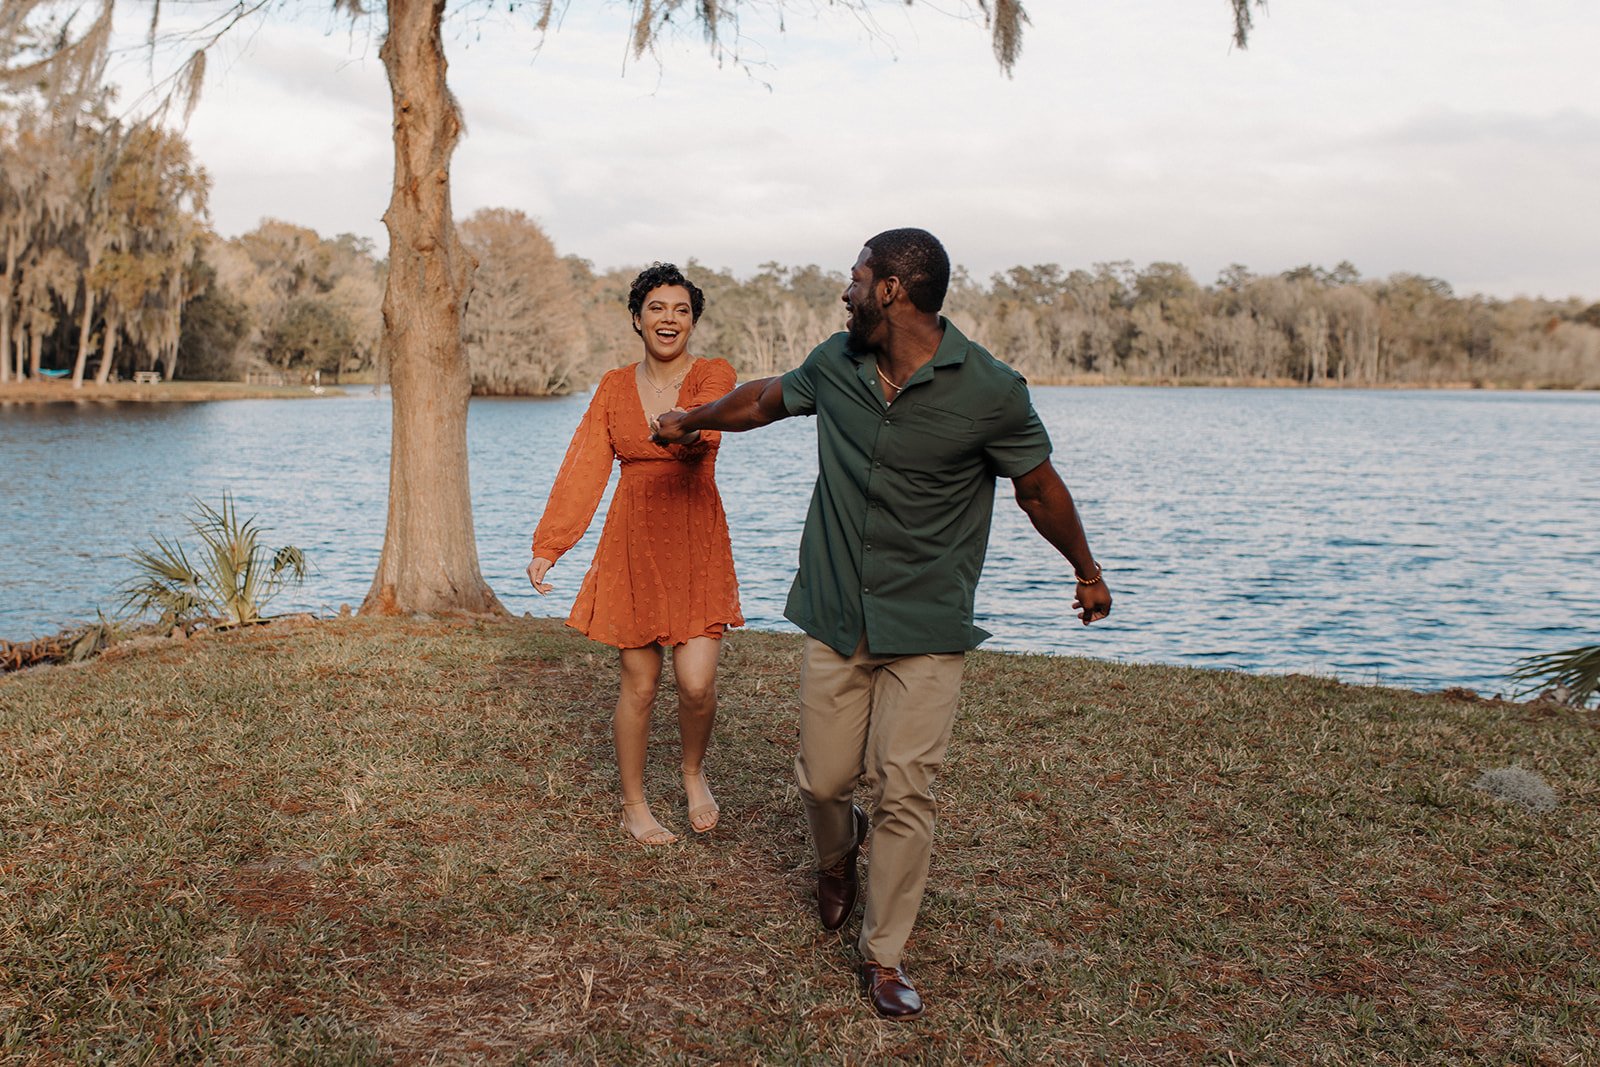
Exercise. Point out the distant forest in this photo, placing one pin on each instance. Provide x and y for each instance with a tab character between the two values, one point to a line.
110	267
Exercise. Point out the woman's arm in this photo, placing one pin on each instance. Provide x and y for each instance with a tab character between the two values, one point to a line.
579	485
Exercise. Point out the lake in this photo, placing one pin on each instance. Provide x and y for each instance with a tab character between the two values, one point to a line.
1416	538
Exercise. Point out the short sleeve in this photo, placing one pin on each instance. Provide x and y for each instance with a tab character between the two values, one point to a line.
1020	442
800	385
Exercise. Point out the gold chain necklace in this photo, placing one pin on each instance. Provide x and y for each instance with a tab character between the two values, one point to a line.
898	389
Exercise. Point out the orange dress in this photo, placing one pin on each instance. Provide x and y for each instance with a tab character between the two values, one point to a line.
663	571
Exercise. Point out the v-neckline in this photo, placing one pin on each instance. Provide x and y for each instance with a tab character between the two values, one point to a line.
638	368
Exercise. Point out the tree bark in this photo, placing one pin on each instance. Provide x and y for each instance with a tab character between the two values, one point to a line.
6	305
430	554
108	351
84	329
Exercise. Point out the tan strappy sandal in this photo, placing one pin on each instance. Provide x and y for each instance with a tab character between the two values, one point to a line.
701	811
650	835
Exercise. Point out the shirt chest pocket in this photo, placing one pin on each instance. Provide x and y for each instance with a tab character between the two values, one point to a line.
930	435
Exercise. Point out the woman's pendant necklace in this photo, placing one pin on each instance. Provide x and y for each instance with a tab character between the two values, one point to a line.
661	389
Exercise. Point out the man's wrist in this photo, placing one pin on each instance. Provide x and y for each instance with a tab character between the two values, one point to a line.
1094	579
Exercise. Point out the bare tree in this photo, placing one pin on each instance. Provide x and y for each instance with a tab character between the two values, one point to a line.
525	325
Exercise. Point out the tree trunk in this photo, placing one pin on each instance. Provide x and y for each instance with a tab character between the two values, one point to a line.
6	306
108	351
83	337
430	554
5	336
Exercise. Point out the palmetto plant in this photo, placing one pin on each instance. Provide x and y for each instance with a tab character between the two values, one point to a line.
1577	670
230	578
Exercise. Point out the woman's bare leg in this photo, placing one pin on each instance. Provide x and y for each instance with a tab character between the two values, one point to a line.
630	732
694	665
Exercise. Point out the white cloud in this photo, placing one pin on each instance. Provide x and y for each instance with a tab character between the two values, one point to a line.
1451	137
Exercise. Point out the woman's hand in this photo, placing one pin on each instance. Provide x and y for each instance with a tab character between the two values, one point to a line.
536	573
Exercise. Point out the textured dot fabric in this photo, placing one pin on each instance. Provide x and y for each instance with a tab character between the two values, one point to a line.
663	571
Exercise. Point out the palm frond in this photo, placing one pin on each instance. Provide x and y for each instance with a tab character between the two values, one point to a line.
230	577
1576	670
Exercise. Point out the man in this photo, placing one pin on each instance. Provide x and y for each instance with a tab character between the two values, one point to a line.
914	422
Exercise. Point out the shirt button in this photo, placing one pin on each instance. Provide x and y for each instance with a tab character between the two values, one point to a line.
886	422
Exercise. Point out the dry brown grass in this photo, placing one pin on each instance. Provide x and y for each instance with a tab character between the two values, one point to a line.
363	840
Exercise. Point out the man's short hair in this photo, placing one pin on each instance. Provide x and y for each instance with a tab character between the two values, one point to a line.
915	257
654	277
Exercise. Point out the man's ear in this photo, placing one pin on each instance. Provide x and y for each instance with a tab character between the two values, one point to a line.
891	288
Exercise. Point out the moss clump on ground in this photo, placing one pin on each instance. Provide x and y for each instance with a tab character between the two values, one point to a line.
377	840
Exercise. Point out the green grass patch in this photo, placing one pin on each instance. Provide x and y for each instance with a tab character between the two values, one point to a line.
373	841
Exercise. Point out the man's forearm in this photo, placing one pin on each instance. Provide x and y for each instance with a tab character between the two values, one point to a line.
1047	503
749	406
1061	527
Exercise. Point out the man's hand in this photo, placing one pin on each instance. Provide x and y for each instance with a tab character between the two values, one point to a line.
667	429
1092	602
536	573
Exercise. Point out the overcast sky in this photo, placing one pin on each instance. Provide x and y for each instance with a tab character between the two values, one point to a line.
1454	138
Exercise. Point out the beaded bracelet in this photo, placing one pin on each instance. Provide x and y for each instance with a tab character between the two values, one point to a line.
1098	572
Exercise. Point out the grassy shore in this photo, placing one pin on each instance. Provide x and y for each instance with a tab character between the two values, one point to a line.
365	841
56	391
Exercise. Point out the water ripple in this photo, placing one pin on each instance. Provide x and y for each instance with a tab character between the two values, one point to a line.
1413	538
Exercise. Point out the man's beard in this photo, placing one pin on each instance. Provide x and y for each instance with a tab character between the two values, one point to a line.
864	318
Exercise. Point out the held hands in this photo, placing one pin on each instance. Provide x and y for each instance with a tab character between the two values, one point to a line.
667	428
536	573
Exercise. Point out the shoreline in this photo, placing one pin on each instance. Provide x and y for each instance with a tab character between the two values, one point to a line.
1084	381
94	640
62	392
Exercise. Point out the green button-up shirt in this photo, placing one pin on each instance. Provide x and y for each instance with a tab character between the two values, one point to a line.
899	521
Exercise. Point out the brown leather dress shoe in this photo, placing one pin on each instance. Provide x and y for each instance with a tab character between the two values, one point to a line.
837	885
890	991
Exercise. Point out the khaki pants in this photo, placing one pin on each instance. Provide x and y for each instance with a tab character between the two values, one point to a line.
888	719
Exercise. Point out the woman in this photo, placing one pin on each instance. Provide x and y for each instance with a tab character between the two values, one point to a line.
663	572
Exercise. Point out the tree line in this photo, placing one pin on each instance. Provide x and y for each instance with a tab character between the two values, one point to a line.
100	223
110	267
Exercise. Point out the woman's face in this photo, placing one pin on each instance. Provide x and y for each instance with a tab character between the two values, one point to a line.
666	320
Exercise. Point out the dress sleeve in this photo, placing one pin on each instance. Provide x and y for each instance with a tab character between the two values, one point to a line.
714	380
579	484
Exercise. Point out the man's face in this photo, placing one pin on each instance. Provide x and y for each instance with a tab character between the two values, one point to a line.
865	320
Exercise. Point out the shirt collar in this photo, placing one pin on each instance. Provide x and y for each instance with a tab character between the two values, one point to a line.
952	351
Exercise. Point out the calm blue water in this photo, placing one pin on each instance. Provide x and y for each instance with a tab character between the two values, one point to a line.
1423	539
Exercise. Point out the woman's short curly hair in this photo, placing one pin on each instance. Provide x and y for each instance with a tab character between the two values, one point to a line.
654	277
